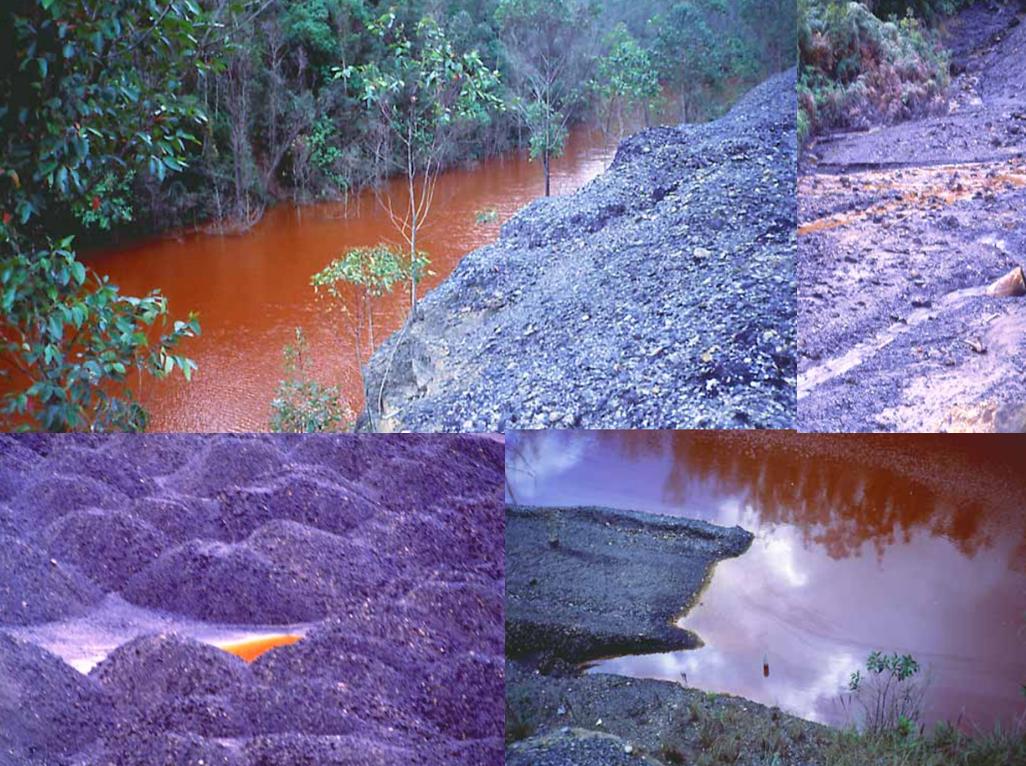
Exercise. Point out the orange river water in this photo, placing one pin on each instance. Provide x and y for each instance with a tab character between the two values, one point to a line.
251	290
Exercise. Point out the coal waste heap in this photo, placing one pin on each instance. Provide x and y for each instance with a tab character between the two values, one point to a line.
661	295
389	549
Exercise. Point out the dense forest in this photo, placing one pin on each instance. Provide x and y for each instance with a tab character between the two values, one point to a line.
127	118
869	61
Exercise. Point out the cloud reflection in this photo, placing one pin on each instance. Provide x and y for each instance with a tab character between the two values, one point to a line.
910	544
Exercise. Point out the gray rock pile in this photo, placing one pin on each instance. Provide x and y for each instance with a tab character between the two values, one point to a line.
660	295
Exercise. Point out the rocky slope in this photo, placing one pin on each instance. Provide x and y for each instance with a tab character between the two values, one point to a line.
387	548
660	295
902	229
584	583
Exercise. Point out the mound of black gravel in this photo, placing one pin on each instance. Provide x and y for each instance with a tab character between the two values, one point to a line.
332	506
220	582
108	546
150	668
228	463
181	518
16	461
328	751
661	295
575	747
47	709
284	573
36	588
390	545
47	496
123	474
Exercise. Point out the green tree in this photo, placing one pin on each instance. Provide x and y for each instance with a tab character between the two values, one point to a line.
302	404
773	25
422	94
700	47
550	53
889	697
626	79
370	273
90	94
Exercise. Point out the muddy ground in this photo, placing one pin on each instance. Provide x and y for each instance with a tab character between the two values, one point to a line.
584	583
387	549
901	231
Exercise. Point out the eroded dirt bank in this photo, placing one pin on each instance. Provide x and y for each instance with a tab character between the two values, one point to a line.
387	547
902	229
660	295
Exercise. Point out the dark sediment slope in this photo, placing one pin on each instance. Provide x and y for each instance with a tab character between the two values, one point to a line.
660	295
587	582
390	545
583	583
47	709
553	721
35	588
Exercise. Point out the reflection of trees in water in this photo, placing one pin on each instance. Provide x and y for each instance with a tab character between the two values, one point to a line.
846	490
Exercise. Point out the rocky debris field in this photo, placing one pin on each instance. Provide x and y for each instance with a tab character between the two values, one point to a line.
584	583
660	295
388	547
903	232
599	719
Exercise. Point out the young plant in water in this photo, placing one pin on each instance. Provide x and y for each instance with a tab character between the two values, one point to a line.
302	404
372	273
486	216
889	696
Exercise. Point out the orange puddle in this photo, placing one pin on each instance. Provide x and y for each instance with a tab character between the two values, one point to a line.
929	188
254	647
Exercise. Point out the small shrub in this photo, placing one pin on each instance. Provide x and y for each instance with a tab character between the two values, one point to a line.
486	216
301	404
856	68
889	697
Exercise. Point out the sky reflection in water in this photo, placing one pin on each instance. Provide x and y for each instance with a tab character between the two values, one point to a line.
898	543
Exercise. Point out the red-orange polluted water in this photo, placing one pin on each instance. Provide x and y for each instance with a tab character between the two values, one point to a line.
250	649
252	290
891	543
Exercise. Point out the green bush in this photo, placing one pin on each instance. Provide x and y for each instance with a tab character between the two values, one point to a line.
856	69
302	404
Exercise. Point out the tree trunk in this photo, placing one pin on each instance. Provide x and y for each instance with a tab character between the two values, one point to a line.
411	186
545	164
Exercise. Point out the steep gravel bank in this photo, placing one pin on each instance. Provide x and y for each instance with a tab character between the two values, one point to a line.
901	231
660	295
387	548
583	583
